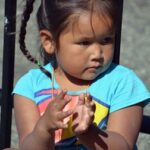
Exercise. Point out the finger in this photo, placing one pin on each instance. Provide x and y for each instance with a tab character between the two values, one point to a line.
65	114
64	102
81	99
92	118
61	95
88	98
91	105
62	125
56	102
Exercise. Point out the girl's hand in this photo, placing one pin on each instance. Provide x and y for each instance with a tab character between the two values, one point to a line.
83	115
54	114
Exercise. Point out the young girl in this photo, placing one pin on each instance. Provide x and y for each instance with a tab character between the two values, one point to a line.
80	100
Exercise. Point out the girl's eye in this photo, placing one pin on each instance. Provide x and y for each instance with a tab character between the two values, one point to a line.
84	43
107	40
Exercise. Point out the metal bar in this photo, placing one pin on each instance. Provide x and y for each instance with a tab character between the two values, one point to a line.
118	33
0	96
145	128
8	72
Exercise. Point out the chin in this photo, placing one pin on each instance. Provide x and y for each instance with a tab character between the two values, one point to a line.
90	77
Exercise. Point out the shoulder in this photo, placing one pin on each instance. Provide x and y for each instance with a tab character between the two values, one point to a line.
31	82
124	75
119	70
127	89
35	75
124	78
115	73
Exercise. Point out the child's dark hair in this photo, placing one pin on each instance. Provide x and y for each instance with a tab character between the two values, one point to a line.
53	16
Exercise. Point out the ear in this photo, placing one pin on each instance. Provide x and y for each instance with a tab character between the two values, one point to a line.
47	41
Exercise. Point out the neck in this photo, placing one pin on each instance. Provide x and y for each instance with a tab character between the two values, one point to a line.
69	82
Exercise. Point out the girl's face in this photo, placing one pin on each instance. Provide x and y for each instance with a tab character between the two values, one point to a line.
86	47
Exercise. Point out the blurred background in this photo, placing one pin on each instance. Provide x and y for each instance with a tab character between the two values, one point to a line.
135	47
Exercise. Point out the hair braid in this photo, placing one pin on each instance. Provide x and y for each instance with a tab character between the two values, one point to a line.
25	17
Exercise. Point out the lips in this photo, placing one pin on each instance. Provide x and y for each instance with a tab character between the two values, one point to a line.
96	66
93	68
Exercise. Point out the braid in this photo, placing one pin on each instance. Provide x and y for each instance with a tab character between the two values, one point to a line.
25	17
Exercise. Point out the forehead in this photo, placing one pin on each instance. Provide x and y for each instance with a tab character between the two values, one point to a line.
89	24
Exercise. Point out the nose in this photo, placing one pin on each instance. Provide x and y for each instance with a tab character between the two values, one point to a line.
96	52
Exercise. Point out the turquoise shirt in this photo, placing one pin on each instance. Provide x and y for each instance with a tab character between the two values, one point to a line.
116	88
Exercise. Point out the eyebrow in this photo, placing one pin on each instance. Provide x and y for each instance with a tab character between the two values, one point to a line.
100	37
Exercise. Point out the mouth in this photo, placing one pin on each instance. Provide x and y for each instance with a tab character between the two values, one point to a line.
93	69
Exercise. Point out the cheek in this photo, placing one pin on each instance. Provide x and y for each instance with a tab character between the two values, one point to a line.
75	63
73	57
109	53
71	62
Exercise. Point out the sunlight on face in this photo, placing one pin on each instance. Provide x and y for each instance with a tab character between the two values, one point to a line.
86	46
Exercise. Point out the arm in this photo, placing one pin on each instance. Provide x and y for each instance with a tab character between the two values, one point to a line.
27	116
122	131
35	132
